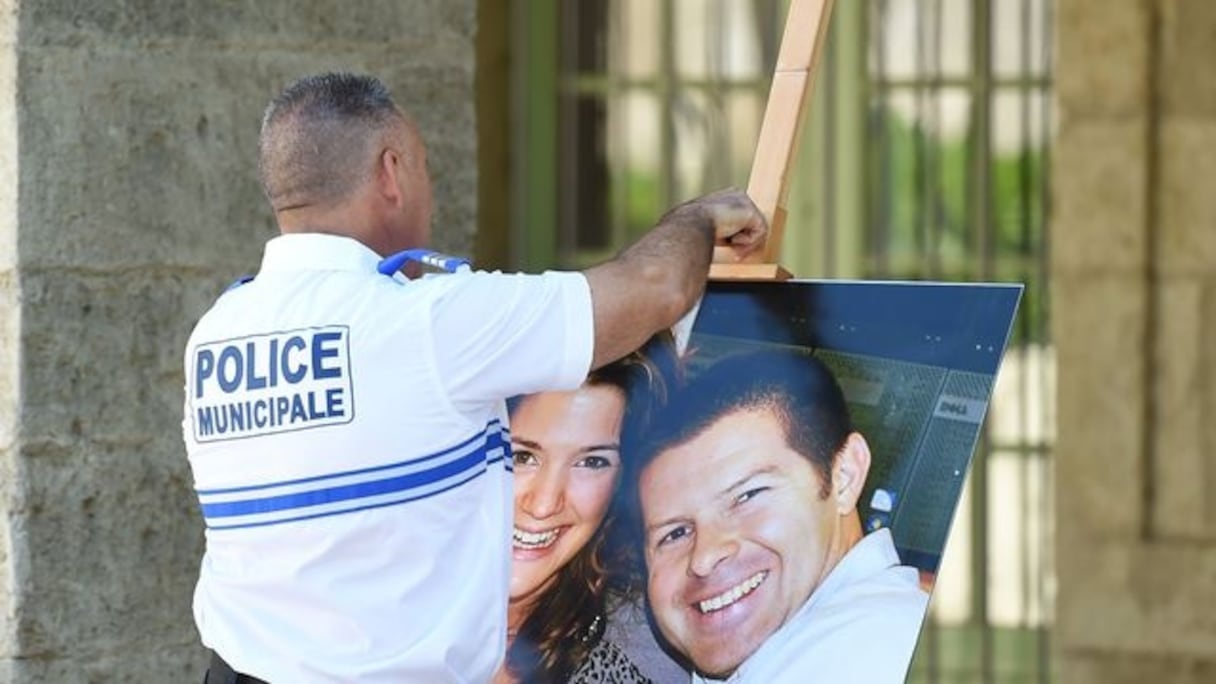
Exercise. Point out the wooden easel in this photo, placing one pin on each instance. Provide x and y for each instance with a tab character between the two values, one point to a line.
802	42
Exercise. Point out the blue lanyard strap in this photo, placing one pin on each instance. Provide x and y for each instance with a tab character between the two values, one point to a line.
451	264
238	282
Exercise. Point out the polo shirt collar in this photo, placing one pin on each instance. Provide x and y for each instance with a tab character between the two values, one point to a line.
873	554
318	251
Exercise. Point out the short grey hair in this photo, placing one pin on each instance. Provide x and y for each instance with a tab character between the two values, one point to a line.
317	137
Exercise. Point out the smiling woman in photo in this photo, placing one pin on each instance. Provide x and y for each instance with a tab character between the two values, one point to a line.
571	572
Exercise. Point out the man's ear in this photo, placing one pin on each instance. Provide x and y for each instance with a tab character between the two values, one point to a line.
388	170
849	472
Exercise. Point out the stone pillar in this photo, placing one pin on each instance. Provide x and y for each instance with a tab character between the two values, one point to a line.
10	331
128	200
1134	297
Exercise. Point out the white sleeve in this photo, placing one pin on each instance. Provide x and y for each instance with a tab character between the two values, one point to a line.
498	335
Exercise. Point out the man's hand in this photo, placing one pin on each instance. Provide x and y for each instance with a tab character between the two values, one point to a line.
739	227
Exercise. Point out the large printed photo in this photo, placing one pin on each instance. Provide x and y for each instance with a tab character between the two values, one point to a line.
762	498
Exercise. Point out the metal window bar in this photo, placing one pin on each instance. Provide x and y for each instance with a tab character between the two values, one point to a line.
704	98
984	650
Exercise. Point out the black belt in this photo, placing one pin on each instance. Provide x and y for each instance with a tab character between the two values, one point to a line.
220	672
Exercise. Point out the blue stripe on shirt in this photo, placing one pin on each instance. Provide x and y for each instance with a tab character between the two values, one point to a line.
355	490
494	430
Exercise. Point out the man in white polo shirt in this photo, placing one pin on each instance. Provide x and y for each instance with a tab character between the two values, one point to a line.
346	425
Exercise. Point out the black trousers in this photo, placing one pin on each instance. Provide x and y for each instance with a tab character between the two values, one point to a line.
219	672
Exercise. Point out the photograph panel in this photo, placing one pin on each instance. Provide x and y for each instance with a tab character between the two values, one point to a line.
762	494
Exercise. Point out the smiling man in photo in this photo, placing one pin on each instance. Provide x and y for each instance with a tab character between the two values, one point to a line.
758	568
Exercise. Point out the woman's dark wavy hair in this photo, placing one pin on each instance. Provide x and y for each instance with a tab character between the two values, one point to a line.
569	617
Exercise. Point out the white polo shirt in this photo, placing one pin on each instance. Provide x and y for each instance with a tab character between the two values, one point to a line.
860	625
348	438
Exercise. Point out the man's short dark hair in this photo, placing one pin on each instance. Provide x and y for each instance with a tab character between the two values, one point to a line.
796	387
317	135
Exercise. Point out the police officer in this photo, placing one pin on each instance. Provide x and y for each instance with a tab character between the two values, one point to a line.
346	423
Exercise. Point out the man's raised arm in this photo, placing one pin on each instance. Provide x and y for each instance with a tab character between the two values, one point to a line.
656	280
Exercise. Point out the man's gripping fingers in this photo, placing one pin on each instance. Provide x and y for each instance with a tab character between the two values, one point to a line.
738	224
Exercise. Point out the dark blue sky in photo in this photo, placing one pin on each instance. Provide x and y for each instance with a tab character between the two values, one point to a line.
962	326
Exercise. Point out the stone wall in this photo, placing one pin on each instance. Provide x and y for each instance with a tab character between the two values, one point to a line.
1134	269
129	200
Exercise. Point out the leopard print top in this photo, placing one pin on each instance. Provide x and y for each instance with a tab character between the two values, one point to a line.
607	664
